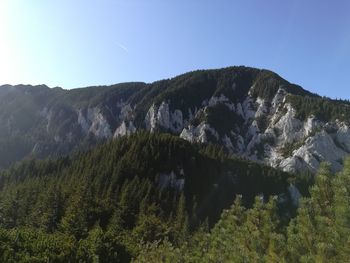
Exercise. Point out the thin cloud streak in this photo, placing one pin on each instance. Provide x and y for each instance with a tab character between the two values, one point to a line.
123	47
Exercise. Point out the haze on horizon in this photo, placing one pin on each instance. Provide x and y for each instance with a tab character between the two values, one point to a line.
82	43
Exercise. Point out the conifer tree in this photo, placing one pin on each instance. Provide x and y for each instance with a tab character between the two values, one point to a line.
181	223
53	210
75	220
311	235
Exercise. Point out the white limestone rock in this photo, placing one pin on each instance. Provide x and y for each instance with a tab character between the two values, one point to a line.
99	125
222	99
262	109
124	129
248	108
311	125
151	118
161	117
281	129
279	98
83	122
293	164
177	121
343	136
94	122
315	150
126	112
199	133
290	127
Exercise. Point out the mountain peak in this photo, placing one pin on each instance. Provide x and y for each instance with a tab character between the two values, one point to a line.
251	112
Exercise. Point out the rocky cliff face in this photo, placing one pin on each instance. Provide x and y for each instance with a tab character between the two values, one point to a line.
267	131
253	113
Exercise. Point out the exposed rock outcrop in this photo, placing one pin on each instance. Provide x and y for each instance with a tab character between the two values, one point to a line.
247	111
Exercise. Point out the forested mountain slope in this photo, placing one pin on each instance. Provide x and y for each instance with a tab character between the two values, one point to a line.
319	232
109	202
253	113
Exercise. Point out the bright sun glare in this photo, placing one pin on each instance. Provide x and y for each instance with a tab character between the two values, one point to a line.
9	62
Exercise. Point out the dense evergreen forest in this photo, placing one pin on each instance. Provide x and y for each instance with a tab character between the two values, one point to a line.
319	232
129	198
157	198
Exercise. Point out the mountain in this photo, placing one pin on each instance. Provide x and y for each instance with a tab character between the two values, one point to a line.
107	203
253	113
147	172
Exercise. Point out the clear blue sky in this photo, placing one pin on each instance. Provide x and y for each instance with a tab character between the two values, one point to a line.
75	43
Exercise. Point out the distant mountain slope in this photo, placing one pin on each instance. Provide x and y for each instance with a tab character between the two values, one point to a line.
253	113
168	162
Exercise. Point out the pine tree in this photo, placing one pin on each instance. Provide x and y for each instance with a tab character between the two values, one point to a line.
53	210
149	226
224	237
75	220
181	224
311	235
341	186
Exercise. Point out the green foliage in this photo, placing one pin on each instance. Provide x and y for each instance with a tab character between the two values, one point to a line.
218	117
322	108
319	232
106	204
267	83
32	245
